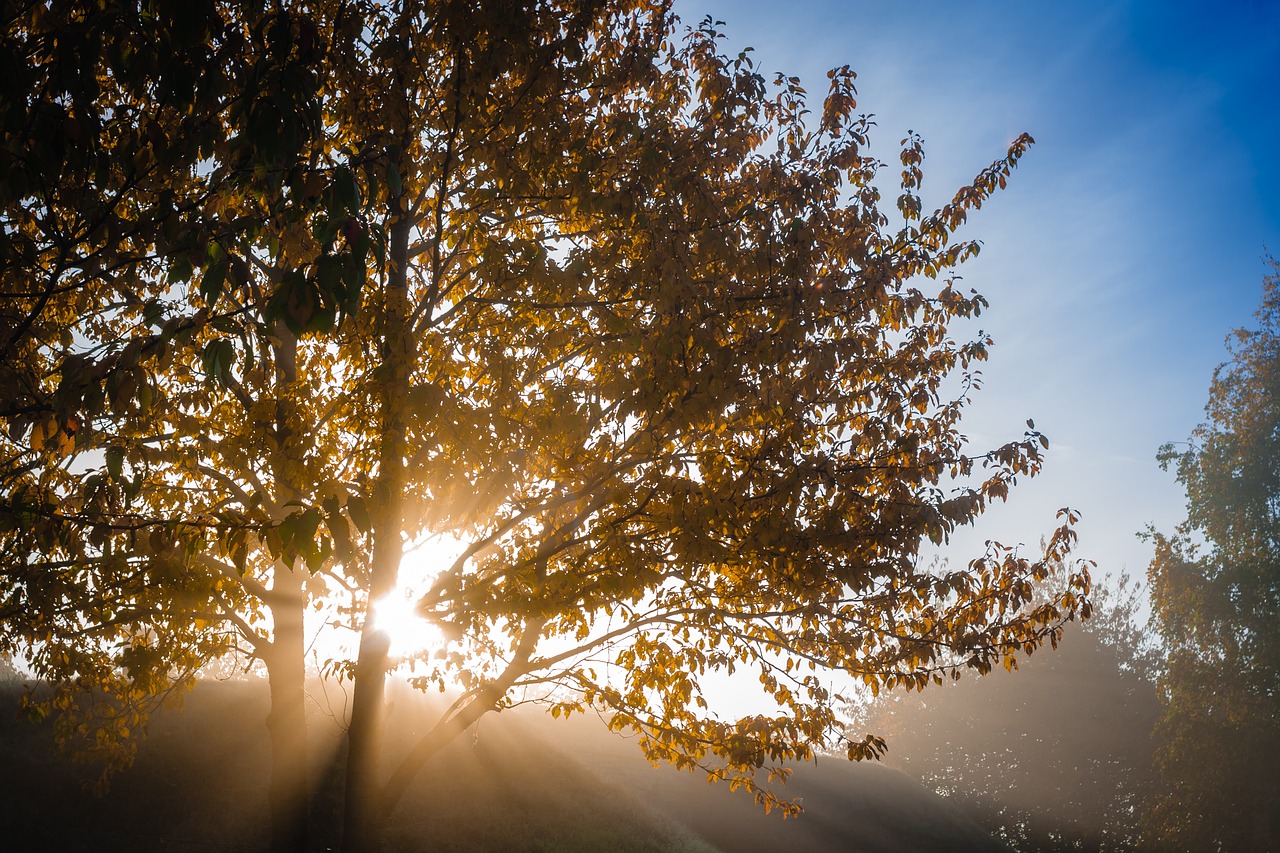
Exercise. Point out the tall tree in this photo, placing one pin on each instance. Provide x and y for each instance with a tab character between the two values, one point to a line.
1215	587
154	196
561	281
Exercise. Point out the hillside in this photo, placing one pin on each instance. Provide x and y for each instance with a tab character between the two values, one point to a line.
521	782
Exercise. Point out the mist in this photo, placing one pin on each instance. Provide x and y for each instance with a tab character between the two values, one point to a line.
518	781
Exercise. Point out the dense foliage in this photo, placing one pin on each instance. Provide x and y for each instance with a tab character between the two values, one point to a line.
286	289
1215	586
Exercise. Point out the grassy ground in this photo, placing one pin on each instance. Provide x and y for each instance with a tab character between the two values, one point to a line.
520	782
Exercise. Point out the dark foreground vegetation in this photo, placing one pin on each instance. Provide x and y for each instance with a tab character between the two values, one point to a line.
519	783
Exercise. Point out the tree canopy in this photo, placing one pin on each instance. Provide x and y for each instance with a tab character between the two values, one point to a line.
1215	587
286	289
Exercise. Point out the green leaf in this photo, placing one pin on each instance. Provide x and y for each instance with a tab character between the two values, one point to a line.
345	192
153	312
115	462
340	531
214	277
358	510
180	270
218	358
329	277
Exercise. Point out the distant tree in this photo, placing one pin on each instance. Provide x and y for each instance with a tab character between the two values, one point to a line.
1215	590
1057	754
559	280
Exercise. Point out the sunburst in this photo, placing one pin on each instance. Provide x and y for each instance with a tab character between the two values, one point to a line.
397	614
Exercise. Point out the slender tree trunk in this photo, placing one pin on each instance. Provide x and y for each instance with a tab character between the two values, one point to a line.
289	793
362	832
286	722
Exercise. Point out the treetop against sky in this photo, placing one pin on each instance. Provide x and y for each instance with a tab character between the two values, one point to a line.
1132	241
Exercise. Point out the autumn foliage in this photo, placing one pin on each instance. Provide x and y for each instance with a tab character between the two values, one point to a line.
285	290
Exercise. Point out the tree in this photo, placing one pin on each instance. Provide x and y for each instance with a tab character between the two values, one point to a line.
559	280
1056	755
143	143
1216	596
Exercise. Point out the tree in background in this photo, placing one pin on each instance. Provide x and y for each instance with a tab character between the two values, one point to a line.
1056	755
1215	592
560	281
157	202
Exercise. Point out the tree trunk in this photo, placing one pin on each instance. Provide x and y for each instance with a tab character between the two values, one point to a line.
290	793
362	831
286	722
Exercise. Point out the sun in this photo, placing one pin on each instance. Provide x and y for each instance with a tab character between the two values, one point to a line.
410	633
335	638
396	613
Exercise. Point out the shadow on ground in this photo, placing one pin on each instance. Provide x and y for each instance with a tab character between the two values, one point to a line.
519	782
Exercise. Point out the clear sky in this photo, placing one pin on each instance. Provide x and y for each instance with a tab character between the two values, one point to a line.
1129	243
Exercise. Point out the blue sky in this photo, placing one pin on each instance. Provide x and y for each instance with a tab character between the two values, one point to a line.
1131	240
